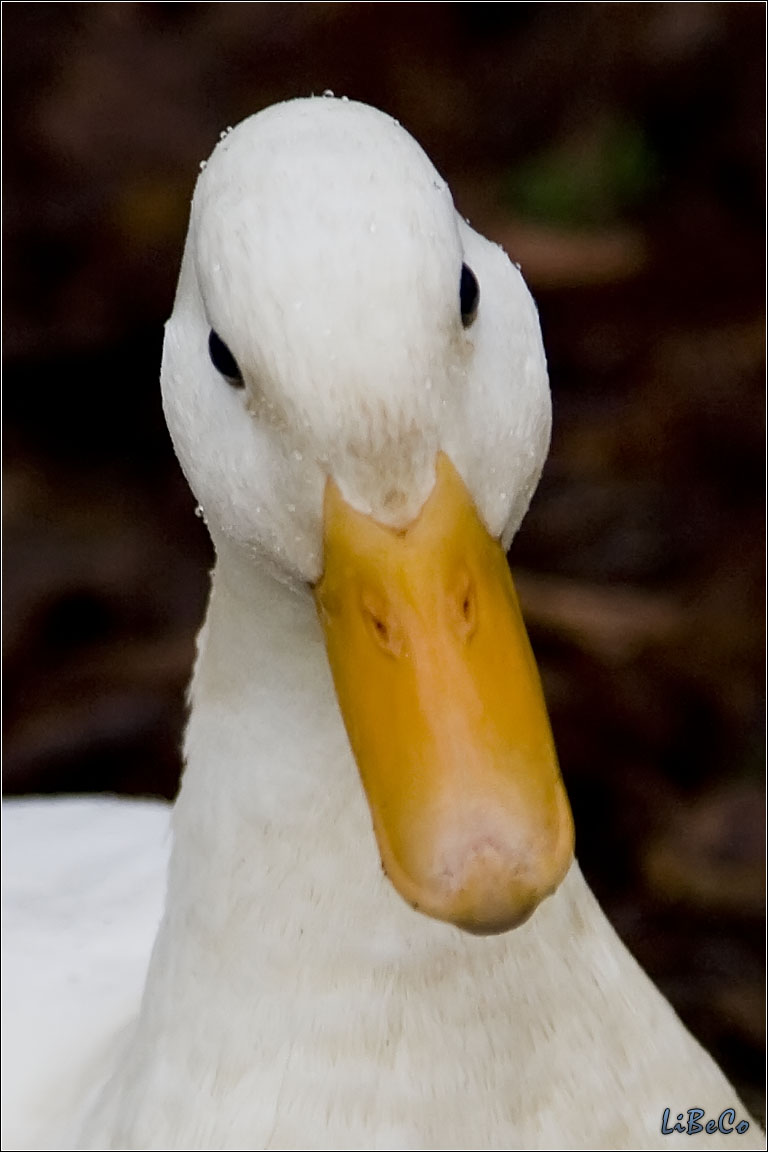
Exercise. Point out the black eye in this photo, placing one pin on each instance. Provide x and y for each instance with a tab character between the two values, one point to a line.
223	360
469	295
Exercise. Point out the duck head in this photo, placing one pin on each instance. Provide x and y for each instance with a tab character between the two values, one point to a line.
356	388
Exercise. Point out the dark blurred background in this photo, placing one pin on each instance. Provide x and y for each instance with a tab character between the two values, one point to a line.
616	151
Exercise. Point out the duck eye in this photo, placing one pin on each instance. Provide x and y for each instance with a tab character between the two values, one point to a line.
223	360
469	295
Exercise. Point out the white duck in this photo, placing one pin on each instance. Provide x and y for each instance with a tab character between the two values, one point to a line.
362	425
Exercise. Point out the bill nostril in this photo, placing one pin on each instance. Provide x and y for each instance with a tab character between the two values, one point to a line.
466	608
382	627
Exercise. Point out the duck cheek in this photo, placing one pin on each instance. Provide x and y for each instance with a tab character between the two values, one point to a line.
442	703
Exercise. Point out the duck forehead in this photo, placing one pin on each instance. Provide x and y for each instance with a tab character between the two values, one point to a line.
328	255
326	209
314	307
323	159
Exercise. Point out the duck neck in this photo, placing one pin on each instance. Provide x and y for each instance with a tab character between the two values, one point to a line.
270	790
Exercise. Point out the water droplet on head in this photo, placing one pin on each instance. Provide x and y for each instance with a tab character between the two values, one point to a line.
223	135
345	99
328	92
199	512
203	165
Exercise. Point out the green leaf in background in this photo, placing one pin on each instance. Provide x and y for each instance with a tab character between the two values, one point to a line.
591	178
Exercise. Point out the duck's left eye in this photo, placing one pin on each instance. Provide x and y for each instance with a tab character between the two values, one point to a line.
469	295
223	360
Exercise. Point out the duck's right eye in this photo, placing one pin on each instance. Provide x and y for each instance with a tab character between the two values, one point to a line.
223	360
469	295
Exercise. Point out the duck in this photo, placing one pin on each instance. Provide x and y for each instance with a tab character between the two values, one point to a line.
362	924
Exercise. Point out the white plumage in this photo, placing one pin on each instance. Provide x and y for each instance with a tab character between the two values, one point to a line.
293	1000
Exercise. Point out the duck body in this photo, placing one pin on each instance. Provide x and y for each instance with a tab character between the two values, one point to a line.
293	999
83	888
303	1004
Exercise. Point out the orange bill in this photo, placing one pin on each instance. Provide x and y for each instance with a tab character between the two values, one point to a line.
442	702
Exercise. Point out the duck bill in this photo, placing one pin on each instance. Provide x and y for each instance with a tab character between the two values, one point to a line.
443	706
